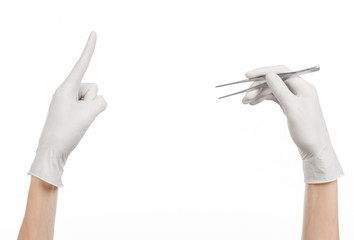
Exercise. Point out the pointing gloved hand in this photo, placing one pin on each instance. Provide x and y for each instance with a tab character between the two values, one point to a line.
299	102
73	108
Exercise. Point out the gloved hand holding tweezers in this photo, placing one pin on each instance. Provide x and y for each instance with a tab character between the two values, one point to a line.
299	102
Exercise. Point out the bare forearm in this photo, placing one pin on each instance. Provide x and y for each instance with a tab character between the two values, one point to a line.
321	212
39	219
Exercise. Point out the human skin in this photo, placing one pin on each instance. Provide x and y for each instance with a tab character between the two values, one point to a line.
320	219
39	219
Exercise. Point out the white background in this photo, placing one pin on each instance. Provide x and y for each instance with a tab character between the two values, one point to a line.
167	160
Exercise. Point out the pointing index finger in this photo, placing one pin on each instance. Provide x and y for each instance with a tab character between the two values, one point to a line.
72	82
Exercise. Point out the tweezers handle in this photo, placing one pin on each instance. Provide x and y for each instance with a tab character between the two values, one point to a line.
281	75
285	76
246	90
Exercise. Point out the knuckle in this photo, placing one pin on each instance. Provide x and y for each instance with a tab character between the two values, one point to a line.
104	103
104	106
312	88
60	91
94	85
283	68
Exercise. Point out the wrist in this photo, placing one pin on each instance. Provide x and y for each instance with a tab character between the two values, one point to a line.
322	167
42	184
48	166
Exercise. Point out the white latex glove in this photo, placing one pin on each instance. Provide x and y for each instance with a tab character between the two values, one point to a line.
299	102
73	108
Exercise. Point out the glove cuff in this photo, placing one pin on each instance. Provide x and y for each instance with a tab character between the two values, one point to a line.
322	168
48	166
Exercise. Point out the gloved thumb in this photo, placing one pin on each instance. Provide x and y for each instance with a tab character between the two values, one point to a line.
279	89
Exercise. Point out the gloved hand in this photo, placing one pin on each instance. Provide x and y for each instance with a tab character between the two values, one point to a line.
299	102
73	108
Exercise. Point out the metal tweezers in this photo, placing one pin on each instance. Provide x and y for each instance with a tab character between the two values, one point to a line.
283	76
